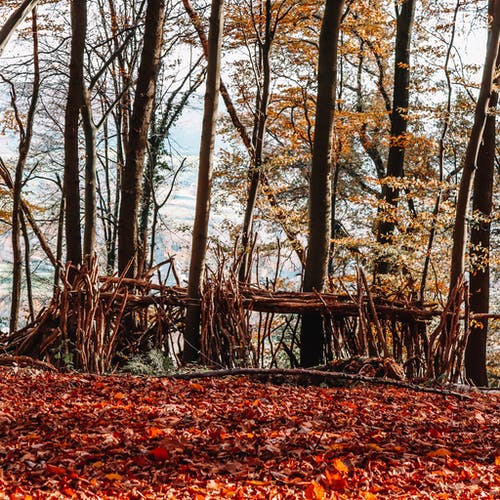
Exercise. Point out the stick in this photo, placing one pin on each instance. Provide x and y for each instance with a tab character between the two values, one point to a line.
295	372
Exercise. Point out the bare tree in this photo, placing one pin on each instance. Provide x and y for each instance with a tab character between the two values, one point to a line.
138	135
26	134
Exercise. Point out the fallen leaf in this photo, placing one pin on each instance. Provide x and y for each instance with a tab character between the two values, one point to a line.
159	454
440	452
153	432
55	469
315	491
196	387
340	465
113	476
335	481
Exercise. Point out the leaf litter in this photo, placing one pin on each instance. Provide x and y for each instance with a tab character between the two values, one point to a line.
85	436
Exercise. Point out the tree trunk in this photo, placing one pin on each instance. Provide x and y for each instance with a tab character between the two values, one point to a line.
258	144
291	234
399	121
131	181
470	162
312	330
90	220
475	353
15	19
17	221
482	205
200	229
71	185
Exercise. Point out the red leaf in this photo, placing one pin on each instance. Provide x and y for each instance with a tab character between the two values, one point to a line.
55	469
160	454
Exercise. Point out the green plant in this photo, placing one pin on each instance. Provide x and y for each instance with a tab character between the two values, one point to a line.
153	362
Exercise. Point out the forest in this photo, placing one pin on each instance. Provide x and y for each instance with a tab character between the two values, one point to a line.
223	222
342	202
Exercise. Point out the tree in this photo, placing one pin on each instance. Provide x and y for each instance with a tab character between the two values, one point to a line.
399	121
200	228
137	139
482	205
249	32
457	268
15	19
71	184
312	330
26	134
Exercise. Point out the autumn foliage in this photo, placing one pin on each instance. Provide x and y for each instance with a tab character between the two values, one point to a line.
86	436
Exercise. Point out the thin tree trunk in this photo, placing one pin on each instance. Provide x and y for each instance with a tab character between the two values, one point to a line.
71	185
446	124
399	123
90	219
471	154
291	235
258	143
24	147
16	18
200	229
312	329
131	182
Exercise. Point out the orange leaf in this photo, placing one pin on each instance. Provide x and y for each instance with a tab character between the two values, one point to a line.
118	395
55	469
196	387
160	453
315	491
113	476
440	452
340	465
335	481
497	460
154	432
368	496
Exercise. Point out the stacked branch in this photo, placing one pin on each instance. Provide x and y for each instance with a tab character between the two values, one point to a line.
97	322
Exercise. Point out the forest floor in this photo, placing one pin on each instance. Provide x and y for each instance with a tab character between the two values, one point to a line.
84	436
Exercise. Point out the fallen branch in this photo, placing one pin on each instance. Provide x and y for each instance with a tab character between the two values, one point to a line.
308	372
6	360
